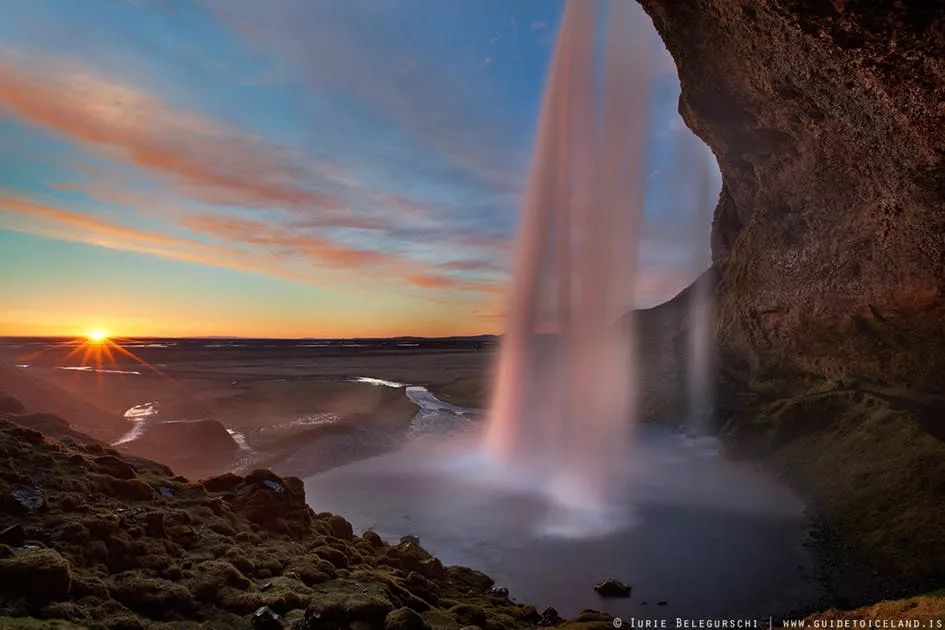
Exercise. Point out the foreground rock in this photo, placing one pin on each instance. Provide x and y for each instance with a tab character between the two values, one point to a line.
123	543
924	610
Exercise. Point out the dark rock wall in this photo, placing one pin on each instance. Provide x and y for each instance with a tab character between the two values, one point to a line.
828	122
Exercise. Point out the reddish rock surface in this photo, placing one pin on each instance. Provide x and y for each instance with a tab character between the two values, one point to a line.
828	123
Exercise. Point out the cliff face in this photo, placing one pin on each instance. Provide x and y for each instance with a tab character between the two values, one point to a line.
828	122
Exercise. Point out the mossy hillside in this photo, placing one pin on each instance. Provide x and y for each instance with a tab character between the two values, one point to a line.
124	543
872	463
923	608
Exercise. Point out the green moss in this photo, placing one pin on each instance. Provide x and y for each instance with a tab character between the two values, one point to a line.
930	606
30	623
38	575
152	596
872	471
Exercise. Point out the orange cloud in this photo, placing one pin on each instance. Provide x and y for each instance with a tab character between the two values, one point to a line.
432	281
24	215
213	162
318	249
27	216
287	242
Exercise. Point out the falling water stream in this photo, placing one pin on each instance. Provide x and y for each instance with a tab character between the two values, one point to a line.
565	385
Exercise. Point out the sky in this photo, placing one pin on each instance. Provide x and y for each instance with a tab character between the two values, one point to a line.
293	168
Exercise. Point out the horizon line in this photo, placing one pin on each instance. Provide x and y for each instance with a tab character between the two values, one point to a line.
252	338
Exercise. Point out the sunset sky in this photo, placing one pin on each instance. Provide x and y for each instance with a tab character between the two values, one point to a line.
289	169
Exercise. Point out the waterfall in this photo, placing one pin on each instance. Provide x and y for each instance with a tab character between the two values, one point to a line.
563	407
700	347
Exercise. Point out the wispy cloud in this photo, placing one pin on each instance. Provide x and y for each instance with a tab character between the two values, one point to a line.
203	158
281	241
290	243
24	215
393	76
246	246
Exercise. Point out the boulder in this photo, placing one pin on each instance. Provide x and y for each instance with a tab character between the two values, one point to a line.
374	539
499	591
130	489
341	528
115	467
404	619
409	556
266	619
549	617
338	559
470	579
469	615
275	503
25	499
612	587
341	610
588	616
222	483
155	597
38	575
422	587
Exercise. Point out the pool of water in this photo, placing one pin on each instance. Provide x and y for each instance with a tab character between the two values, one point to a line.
704	535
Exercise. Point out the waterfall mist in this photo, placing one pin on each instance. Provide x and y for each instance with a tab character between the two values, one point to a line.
564	399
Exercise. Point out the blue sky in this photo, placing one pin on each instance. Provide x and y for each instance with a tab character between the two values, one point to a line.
291	168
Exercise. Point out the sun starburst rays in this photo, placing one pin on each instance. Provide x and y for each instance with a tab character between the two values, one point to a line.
96	351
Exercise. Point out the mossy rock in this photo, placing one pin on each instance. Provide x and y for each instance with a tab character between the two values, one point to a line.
341	527
37	575
374	539
212	576
155	597
31	623
337	558
347	602
404	619
469	615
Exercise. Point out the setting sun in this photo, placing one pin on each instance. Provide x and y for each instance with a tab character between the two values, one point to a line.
97	336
